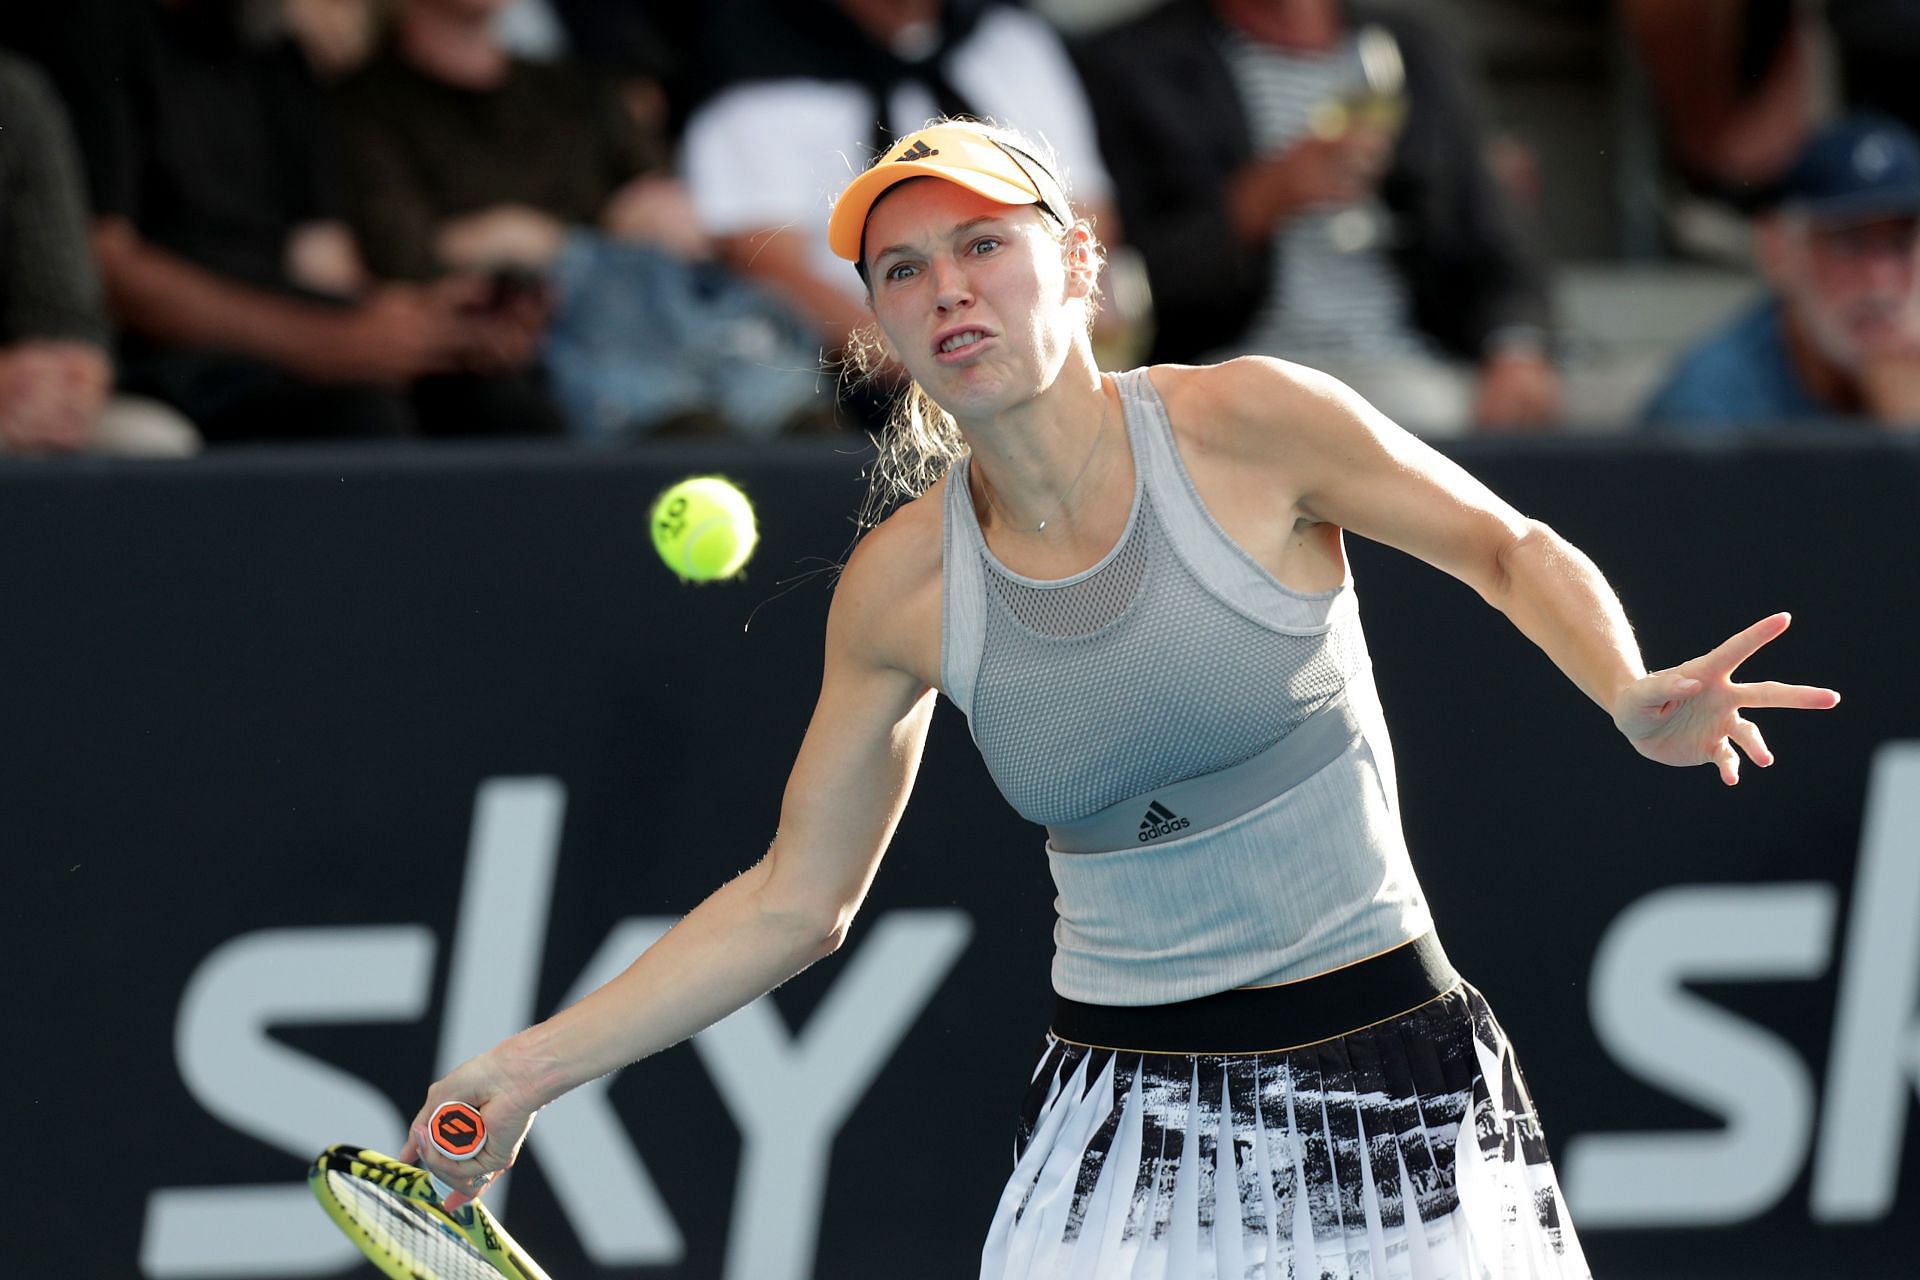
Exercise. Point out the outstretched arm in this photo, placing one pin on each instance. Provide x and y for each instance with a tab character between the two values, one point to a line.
843	800
1349	466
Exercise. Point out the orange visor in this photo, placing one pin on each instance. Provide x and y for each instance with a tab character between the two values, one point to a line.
960	153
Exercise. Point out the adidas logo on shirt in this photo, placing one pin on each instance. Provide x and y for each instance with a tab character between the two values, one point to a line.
1159	821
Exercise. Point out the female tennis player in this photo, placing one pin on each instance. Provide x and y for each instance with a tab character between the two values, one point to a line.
1135	588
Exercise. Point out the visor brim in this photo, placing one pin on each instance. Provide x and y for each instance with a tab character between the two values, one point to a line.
846	229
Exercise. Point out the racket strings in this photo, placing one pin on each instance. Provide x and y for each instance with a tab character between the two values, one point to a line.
409	1232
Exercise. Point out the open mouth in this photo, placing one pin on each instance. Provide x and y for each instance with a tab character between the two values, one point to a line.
961	343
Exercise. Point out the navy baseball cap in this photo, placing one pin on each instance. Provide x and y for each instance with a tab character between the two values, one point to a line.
1862	166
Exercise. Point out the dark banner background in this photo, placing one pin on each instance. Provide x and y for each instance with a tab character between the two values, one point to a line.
260	692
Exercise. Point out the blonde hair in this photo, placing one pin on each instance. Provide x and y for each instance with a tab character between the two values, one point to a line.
920	441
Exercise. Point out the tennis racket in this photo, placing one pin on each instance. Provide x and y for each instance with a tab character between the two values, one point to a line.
397	1213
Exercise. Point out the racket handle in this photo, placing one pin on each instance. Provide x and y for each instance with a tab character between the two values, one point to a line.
457	1132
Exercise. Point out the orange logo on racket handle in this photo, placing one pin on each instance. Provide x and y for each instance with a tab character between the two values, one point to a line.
457	1130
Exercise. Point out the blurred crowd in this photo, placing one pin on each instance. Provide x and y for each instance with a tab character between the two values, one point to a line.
604	220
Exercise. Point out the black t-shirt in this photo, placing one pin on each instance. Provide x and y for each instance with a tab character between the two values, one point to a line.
212	146
417	152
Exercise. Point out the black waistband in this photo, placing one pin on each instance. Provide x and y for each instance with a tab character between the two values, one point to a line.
1269	1019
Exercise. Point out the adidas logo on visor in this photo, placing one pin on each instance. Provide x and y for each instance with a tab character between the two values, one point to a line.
1159	821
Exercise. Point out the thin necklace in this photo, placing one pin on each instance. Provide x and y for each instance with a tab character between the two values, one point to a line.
1099	434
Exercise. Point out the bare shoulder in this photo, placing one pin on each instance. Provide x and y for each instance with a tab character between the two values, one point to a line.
1257	407
904	549
886	609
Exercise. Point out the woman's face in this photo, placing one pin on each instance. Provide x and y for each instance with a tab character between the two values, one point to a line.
974	296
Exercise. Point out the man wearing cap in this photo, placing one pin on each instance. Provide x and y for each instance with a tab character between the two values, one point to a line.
1838	334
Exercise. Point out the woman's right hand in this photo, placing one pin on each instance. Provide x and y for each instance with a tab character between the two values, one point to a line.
489	1084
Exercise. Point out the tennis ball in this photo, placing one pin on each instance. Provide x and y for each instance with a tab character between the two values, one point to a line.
703	528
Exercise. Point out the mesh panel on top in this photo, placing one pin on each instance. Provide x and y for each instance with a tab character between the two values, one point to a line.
1081	607
1136	677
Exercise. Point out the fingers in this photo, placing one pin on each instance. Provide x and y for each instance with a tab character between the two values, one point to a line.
1747	735
466	1192
466	1181
413	1151
1798	697
1728	762
420	1151
1738	648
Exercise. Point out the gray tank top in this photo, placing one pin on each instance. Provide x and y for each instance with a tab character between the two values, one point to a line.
1203	744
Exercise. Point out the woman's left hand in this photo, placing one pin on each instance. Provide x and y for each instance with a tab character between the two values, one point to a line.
1691	714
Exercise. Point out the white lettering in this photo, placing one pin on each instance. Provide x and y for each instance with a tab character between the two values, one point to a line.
1699	1052
790	1094
1876	1034
265	1089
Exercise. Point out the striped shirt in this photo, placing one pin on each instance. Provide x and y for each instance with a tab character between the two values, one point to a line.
1335	290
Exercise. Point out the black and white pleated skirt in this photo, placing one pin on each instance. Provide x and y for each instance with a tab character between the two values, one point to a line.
1179	1143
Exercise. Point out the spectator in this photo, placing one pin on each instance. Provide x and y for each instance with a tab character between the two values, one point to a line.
1373	242
241	299
820	86
1838	333
461	158
1734	82
55	374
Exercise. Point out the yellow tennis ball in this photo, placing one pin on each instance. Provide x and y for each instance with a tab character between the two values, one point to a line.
703	528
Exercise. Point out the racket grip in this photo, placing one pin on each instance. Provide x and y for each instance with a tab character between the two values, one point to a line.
457	1130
